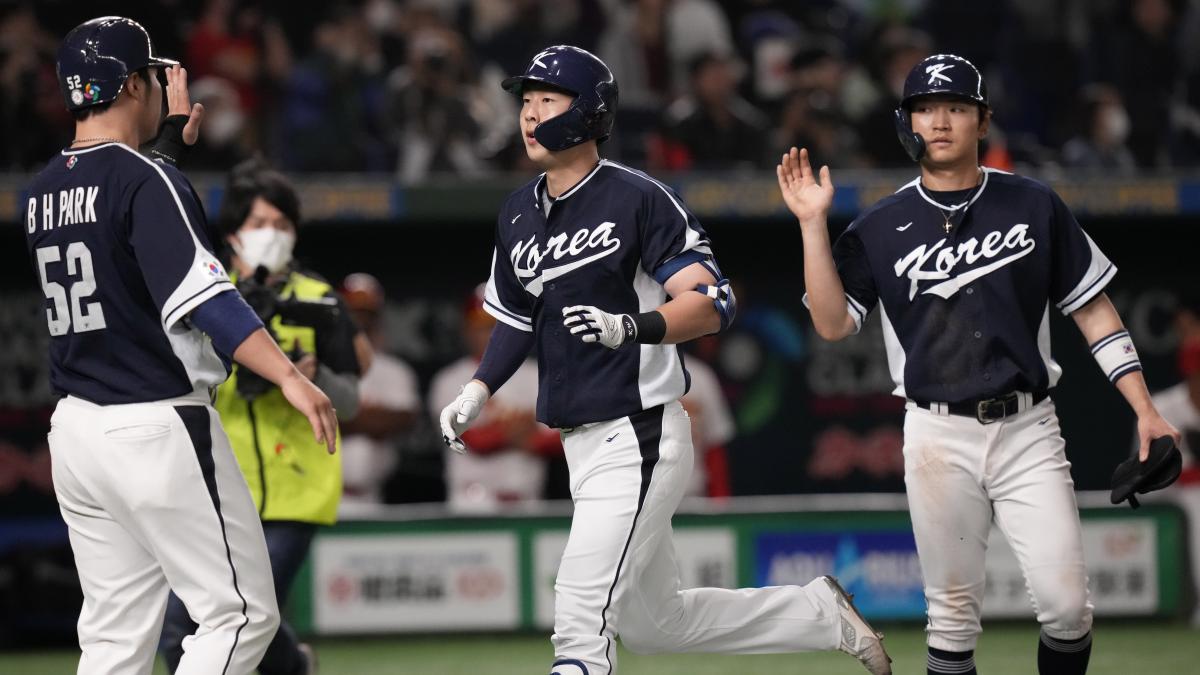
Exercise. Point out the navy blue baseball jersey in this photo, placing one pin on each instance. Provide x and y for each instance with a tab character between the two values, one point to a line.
611	241
120	247
966	314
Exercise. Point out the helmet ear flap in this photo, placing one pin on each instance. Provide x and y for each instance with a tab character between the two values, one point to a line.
914	144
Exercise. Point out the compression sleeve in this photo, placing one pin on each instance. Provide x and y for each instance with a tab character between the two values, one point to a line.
227	319
506	351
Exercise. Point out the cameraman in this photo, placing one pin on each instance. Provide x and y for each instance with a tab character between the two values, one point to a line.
295	482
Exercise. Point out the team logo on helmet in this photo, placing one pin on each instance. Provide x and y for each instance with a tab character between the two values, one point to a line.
935	72
537	60
76	96
91	91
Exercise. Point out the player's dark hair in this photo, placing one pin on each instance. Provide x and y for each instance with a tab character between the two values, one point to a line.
248	181
83	114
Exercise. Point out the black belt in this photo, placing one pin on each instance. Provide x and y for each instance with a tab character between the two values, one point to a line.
986	410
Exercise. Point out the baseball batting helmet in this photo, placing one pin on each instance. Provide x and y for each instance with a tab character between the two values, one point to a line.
945	74
1162	466
98	56
578	72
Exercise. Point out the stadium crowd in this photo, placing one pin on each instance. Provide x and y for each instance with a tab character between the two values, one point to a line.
410	87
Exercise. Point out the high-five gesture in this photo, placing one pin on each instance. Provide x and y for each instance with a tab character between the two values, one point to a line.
807	198
179	103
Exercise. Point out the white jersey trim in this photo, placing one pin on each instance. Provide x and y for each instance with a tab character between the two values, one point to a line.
205	278
1099	272
492	304
1053	370
954	207
895	352
660	370
854	308
692	238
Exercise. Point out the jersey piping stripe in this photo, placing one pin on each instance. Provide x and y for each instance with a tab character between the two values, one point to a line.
510	319
82	151
196	421
1085	296
581	183
965	205
693	242
693	245
182	213
187	304
647	426
643	176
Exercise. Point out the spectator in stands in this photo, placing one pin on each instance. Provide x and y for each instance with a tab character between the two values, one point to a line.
225	43
225	141
813	114
1139	54
507	448
1180	405
389	402
650	45
714	127
428	107
32	114
896	49
1104	128
333	100
712	429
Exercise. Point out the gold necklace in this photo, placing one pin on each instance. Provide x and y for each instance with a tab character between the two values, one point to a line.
94	140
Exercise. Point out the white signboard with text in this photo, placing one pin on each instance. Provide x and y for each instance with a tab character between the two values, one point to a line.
386	583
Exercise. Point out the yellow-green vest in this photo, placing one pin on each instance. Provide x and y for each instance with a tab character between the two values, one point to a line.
291	476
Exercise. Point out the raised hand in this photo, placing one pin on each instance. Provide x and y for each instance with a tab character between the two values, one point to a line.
807	198
180	103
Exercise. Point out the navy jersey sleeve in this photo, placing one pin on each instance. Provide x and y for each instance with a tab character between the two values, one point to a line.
854	269
169	239
1079	269
671	237
505	297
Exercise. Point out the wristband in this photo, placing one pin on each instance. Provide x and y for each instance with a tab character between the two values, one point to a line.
170	146
1116	355
648	328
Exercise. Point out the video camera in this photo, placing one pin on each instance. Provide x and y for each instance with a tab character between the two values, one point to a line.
320	315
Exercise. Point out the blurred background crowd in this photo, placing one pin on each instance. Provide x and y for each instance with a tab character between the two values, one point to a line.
410	87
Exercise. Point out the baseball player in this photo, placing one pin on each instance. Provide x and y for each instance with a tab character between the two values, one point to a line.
143	321
965	264
604	270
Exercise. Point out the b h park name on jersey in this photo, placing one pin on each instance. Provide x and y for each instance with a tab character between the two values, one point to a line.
75	205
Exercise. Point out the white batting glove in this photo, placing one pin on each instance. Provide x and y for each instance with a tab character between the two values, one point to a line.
596	325
457	416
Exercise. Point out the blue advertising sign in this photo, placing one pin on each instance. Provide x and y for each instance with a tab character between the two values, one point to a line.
879	567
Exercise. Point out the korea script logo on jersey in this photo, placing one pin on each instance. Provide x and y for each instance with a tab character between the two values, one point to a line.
527	256
936	263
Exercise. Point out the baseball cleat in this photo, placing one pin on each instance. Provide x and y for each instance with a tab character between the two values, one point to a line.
858	638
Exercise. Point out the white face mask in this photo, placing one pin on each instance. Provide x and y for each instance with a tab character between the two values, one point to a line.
266	247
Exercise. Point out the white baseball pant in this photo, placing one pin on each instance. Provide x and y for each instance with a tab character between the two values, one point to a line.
153	499
960	475
618	573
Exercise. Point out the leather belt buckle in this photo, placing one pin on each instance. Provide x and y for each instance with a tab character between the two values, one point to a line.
982	410
995	409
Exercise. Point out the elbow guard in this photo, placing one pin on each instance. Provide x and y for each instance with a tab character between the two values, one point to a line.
723	299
